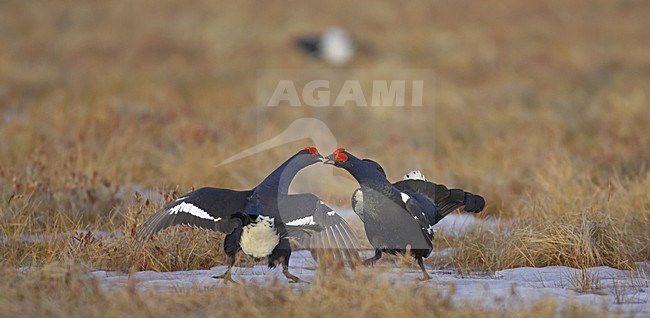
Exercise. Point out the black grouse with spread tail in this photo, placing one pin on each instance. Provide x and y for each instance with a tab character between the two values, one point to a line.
399	217
260	221
446	200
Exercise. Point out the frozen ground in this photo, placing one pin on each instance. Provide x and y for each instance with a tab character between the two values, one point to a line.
619	291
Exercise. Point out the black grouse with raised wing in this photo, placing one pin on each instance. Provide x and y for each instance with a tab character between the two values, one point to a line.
259	221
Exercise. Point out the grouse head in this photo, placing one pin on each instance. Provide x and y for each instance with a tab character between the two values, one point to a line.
307	156
360	169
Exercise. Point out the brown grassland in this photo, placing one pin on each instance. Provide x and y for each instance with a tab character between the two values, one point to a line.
541	107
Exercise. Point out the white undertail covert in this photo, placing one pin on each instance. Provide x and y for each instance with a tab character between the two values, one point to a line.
258	239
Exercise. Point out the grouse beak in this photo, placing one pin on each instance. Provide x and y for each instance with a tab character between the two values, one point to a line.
329	160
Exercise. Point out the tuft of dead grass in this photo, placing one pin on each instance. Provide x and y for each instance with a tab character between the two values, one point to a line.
570	220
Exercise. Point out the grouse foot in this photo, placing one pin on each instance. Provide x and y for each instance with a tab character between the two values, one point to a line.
227	277
293	278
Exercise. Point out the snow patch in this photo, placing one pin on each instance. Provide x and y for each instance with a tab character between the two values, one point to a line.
517	287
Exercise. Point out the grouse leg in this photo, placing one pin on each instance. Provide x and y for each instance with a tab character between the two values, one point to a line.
425	275
227	276
231	247
292	277
372	260
282	253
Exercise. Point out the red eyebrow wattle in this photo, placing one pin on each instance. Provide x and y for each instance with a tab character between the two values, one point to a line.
312	150
339	150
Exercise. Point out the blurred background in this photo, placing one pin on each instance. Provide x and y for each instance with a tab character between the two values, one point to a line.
531	102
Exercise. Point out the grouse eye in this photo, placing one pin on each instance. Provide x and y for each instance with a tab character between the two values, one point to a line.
381	170
311	150
341	157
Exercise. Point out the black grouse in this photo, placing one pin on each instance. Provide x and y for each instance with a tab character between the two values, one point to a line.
260	221
399	217
335	46
446	200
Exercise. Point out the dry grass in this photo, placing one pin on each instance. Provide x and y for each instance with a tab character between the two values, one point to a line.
540	107
569	221
584	280
636	280
114	247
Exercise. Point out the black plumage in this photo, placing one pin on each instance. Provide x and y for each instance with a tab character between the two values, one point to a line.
311	45
264	217
445	200
399	218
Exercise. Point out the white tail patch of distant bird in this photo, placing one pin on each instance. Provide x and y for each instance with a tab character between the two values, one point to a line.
258	239
405	197
415	175
337	46
309	220
193	210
